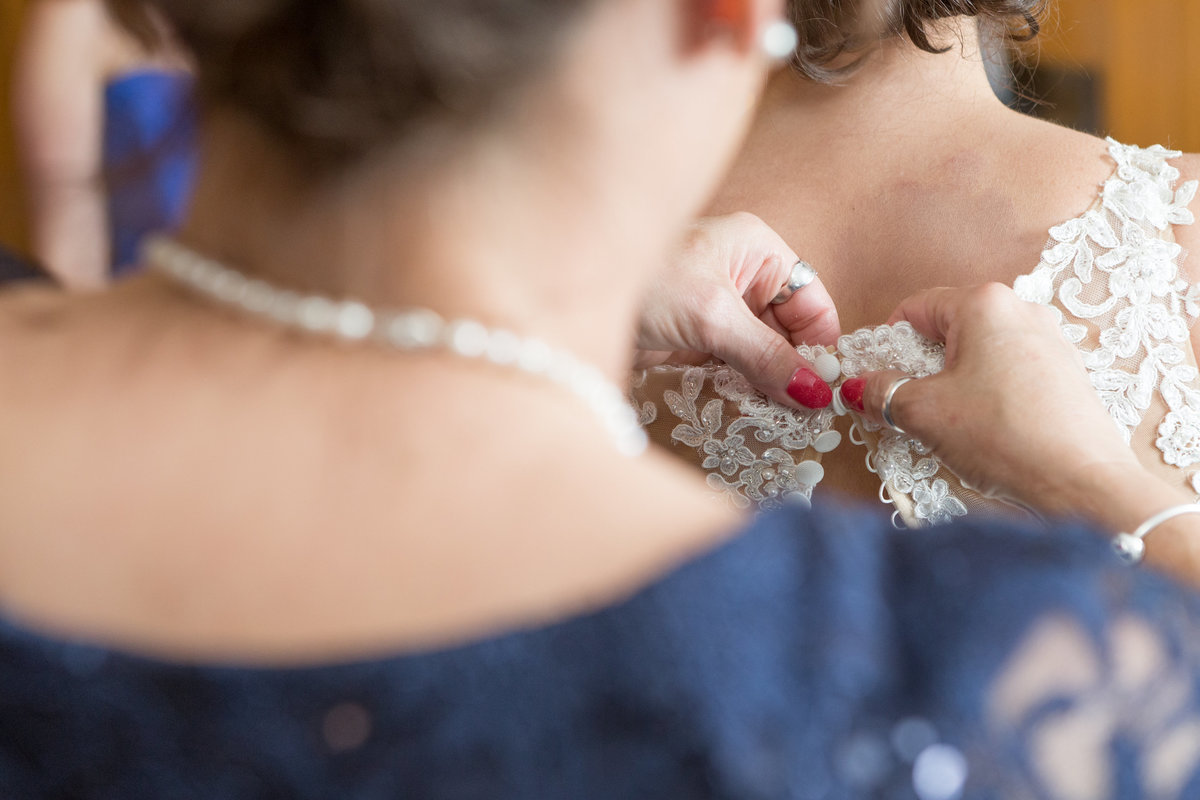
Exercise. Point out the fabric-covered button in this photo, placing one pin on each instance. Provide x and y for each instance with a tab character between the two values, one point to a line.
828	367
809	473
827	442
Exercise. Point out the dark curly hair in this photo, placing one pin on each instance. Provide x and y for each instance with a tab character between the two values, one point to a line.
335	79
831	28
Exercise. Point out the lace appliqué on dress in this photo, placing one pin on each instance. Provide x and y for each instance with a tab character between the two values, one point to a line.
904	465
754	450
1093	714
1114	281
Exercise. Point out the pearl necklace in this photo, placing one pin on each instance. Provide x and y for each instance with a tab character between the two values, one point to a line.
406	330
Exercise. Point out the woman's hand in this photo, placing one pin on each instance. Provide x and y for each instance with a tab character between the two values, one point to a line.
1015	415
714	300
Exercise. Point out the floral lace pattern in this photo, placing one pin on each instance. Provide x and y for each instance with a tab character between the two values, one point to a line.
1115	282
906	467
754	450
1112	275
896	346
1082	693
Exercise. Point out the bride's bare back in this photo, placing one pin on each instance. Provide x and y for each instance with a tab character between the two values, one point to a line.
911	174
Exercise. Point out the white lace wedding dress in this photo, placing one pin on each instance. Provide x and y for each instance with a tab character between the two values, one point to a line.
1113	276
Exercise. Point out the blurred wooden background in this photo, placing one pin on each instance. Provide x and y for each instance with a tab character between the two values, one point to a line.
1141	59
12	218
1124	67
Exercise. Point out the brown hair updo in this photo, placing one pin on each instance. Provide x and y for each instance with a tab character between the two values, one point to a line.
336	79
139	21
831	28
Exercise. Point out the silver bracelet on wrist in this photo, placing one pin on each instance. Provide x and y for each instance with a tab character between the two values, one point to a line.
1131	547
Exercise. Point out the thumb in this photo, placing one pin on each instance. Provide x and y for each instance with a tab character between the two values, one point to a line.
768	360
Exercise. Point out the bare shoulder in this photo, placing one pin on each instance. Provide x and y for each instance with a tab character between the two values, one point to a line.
33	313
27	312
196	485
1189	169
1061	154
43	345
1188	165
1051	171
66	356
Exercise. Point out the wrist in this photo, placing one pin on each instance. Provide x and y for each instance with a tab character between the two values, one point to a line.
1117	497
1120	500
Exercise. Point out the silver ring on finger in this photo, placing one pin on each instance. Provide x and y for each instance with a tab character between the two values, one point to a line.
890	395
802	275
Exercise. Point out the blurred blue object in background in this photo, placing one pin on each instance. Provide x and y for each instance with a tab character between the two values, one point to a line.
149	157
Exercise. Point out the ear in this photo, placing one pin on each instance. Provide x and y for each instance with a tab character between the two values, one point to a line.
728	21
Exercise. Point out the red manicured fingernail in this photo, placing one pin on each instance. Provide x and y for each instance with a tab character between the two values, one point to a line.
852	392
807	389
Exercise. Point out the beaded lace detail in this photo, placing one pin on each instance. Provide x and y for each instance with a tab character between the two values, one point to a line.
1112	275
1114	281
753	449
906	468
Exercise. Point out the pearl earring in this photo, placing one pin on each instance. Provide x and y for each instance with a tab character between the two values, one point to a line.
779	40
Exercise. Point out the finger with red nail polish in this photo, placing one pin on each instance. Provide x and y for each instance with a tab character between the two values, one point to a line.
852	393
807	389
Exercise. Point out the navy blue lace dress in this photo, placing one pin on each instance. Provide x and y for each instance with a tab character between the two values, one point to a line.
816	655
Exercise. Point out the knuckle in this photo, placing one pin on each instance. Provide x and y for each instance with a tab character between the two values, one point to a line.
992	296
823	327
910	404
873	393
912	407
714	298
698	240
746	219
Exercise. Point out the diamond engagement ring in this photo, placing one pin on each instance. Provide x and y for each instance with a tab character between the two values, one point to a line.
802	275
887	403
